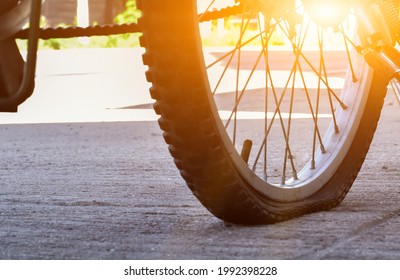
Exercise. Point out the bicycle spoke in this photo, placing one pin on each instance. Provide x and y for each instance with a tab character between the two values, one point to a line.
344	106
289	126
321	62
281	152
299	45
330	90
353	74
329	94
237	47
277	110
242	31
264	44
229	61
322	147
347	39
239	98
244	89
206	10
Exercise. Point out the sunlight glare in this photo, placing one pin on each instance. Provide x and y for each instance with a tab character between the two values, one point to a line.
327	13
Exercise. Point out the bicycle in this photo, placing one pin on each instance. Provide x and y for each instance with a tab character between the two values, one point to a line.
279	143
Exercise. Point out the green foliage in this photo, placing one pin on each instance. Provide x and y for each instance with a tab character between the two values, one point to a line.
130	15
54	44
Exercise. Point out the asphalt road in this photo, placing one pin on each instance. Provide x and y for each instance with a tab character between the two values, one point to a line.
83	180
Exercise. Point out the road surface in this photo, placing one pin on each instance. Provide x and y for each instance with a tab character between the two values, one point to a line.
84	180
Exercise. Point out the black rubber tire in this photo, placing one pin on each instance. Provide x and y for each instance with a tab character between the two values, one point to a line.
173	54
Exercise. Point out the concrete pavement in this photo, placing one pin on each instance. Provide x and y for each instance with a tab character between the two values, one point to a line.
107	189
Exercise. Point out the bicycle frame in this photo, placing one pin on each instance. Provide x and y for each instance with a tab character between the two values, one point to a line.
27	85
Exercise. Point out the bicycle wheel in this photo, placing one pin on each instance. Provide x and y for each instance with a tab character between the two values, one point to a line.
267	129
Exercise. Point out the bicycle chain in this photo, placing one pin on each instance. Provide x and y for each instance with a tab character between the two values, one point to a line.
70	32
221	13
115	29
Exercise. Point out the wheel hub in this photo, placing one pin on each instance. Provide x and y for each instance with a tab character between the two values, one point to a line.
327	13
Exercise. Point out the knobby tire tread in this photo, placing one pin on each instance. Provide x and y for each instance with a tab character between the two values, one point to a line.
172	55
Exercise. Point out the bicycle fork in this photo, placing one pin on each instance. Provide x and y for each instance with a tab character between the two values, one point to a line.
379	27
